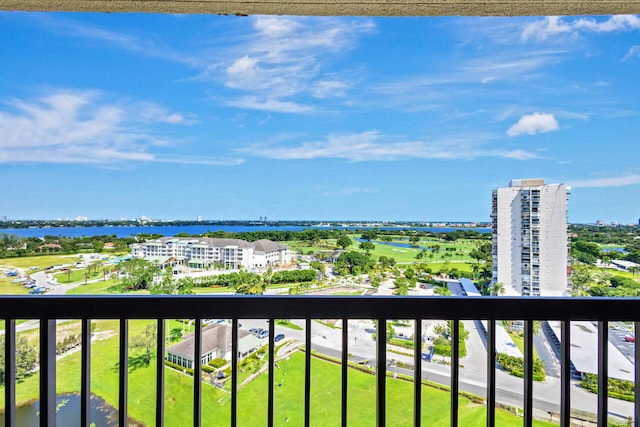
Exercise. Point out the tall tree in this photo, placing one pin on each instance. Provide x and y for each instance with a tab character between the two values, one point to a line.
344	242
367	247
145	340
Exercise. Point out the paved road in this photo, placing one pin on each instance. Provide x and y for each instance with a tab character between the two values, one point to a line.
509	389
616	337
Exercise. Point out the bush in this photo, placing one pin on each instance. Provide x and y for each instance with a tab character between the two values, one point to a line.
218	362
515	366
178	367
619	389
293	276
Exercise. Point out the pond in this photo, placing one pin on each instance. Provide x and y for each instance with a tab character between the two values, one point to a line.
68	413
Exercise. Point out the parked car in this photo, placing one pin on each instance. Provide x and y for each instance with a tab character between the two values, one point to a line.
263	334
278	337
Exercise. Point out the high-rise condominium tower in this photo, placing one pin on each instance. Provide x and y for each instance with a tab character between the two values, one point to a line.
530	240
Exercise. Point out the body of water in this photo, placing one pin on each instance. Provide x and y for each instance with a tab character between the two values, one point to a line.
171	230
623	250
68	413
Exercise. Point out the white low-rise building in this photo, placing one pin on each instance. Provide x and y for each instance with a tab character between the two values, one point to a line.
202	252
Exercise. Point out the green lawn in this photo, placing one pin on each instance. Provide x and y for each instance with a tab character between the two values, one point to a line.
6	287
101	287
252	399
42	261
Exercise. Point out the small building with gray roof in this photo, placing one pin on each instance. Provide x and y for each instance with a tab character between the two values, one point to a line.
216	343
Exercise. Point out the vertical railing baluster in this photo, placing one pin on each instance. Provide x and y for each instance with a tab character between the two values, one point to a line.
85	376
381	372
345	367
455	370
123	375
603	372
528	373
636	386
160	373
47	372
10	373
491	373
307	373
565	373
417	372
197	373
272	366
234	372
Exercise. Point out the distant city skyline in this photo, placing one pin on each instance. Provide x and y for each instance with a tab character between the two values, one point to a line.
303	118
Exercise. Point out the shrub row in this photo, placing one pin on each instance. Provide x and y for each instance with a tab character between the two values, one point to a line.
515	366
619	389
293	276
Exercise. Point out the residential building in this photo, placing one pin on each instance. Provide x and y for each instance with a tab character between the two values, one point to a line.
203	252
530	240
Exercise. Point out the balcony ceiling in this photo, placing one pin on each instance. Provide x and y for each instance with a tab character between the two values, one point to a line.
337	7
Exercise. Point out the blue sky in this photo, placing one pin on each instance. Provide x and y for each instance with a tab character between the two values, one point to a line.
172	116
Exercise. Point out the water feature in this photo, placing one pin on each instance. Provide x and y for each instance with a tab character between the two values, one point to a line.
67	413
171	230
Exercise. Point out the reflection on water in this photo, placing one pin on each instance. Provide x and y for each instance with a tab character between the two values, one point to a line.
67	413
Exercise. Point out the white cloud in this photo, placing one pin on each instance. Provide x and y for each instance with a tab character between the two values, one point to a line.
271	105
146	46
634	52
66	126
553	25
285	57
374	146
330	88
543	29
619	181
534	123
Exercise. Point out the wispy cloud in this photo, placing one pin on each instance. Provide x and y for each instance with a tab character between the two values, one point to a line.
147	46
619	181
532	124
553	25
375	146
65	126
270	105
285	57
634	52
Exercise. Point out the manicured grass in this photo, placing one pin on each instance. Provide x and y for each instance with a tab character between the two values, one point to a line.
42	261
78	275
252	402
287	324
518	339
8	288
101	287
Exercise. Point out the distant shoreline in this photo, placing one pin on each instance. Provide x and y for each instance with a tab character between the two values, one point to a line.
201	228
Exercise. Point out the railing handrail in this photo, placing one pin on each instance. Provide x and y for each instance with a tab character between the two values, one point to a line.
327	307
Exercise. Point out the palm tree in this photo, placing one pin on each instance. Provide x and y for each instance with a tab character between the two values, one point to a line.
475	268
497	289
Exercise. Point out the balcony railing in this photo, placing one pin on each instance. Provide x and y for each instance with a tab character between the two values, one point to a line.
50	308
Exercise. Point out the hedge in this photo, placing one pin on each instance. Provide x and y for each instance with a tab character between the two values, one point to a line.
619	389
515	366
